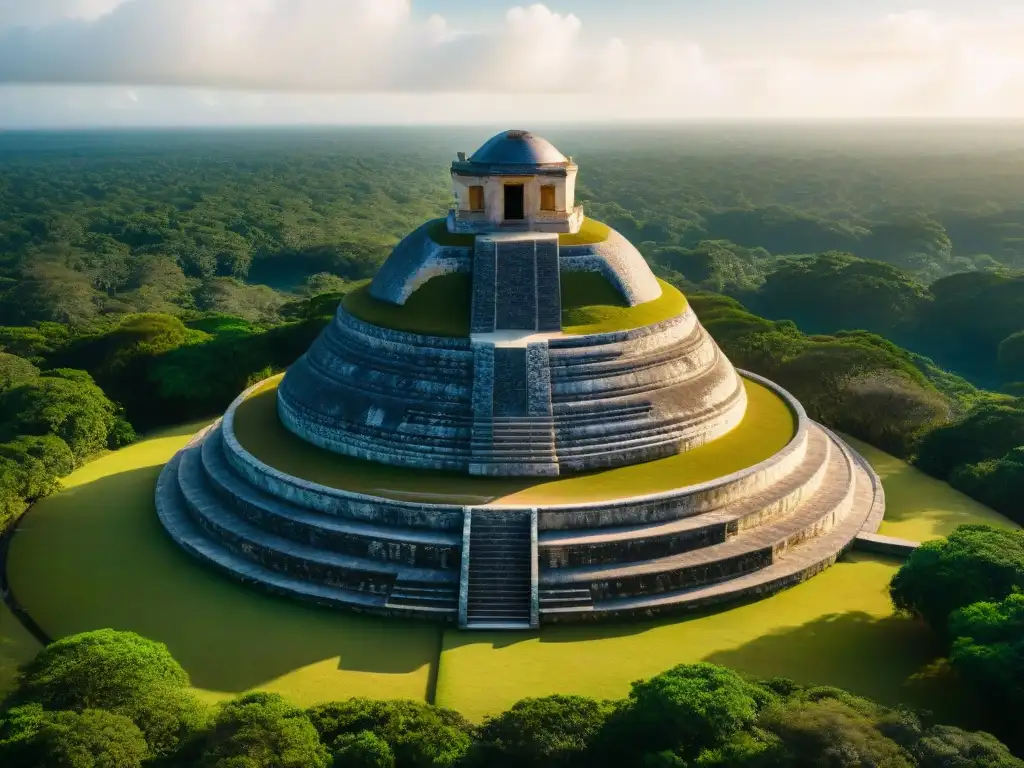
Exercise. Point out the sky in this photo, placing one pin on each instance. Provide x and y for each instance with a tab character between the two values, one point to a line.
77	63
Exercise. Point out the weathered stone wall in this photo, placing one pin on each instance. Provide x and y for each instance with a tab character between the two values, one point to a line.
633	396
620	263
382	395
485	275
416	259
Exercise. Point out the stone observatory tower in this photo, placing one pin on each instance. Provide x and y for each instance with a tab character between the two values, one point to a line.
516	423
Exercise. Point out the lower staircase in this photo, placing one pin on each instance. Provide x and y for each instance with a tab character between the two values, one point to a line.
501	567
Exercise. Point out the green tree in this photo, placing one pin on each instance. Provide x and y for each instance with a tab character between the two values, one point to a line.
103	669
945	746
973	564
15	370
692	707
169	717
419	735
988	646
362	750
31	737
988	432
75	410
552	731
890	410
261	730
41	462
92	738
829	733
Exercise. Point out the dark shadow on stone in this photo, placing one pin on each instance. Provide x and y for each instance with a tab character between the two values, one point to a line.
95	556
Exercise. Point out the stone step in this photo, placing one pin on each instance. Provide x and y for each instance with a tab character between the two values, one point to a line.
621	435
568	367
800	563
288	556
500	568
594	546
180	525
445	597
748	551
636	378
411	546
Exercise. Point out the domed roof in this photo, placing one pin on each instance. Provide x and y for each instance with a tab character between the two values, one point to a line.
518	148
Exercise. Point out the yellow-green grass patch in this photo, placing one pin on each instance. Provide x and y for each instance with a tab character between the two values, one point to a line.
95	556
919	507
837	628
439	307
591	232
16	647
438	232
768	426
591	304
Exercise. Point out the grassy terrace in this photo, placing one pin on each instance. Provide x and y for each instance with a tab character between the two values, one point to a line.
94	556
441	306
590	304
768	426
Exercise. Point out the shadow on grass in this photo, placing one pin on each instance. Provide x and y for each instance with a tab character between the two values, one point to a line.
96	556
893	660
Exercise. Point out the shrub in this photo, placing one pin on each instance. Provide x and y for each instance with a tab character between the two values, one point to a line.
262	729
692	707
102	669
988	647
944	746
975	563
363	750
829	732
419	735
551	731
93	738
73	409
15	370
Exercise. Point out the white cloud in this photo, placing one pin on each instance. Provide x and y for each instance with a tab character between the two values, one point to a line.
911	63
38	13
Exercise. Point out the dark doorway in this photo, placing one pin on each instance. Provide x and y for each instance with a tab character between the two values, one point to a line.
513	202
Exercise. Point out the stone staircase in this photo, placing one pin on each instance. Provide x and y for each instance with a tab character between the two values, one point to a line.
522	445
501	566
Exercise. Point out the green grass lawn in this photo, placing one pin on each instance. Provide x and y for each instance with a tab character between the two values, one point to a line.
95	556
919	507
768	426
591	304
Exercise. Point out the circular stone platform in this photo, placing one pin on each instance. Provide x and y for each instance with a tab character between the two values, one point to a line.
518	474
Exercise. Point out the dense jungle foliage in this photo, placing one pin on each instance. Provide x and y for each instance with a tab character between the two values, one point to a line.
107	698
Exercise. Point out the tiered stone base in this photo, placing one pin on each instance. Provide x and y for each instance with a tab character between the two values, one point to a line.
741	536
560	405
